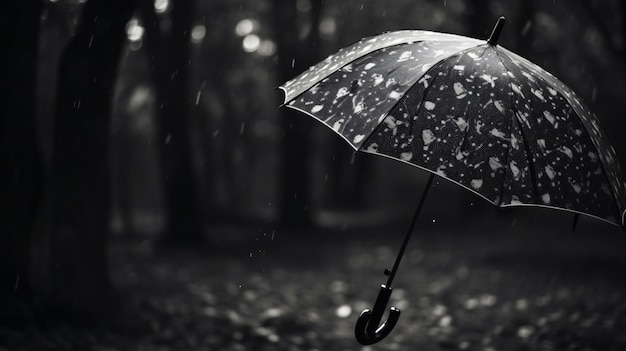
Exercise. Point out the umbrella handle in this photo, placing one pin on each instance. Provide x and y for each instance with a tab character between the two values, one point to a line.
368	329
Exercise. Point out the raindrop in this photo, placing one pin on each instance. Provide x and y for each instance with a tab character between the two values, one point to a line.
594	93
242	127
526	28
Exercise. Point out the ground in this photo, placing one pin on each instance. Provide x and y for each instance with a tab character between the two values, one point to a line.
460	287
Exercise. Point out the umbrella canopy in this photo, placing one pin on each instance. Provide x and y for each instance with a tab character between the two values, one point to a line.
469	111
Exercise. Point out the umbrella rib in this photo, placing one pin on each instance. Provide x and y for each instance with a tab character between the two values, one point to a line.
529	157
508	78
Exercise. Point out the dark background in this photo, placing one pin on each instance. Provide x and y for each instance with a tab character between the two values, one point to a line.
147	170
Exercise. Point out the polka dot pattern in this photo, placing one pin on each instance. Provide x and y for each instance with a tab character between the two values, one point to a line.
473	113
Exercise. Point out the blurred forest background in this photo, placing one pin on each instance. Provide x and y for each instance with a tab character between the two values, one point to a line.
160	119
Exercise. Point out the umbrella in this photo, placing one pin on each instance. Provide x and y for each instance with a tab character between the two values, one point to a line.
471	112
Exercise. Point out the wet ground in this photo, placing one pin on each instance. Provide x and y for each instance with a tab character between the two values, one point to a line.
502	286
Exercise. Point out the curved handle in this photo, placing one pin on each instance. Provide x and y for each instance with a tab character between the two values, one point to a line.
368	329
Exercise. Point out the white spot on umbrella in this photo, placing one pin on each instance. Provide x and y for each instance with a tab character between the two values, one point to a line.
317	108
528	76
357	105
378	78
498	134
499	105
440	170
357	138
395	95
459	90
545	198
516	89
337	125
567	151
424	80
460	155
365	49
538	93
405	56
494	163
406	156
458	67
429	105
474	56
461	123
479	126
514	142
577	188
428	136
514	169
369	66
549	116
343	91
490	80
476	184
550	172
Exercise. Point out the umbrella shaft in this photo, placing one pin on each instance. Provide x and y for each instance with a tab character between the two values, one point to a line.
407	236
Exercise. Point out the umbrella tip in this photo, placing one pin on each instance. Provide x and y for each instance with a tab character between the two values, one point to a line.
495	34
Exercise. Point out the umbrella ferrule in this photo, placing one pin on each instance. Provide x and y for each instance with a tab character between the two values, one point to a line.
495	34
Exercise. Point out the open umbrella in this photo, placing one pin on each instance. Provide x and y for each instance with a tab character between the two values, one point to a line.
468	111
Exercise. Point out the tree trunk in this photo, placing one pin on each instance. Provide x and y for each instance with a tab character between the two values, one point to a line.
168	41
21	173
295	56
77	284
